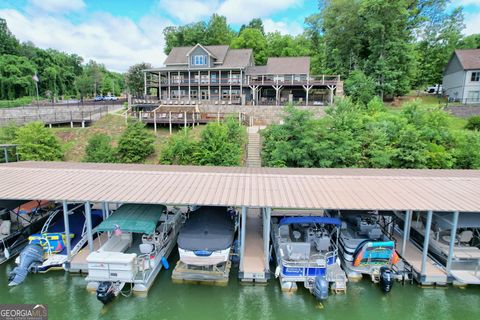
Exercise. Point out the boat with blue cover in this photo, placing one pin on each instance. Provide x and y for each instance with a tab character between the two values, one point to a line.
306	253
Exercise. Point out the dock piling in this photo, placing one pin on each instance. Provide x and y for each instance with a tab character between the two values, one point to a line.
88	214
67	231
426	241
453	234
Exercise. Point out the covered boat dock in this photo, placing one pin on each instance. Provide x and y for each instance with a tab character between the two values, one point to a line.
403	191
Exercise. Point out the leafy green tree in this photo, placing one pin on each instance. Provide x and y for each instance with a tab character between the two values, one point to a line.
84	85
215	148
254	39
8	43
35	142
16	77
8	133
180	149
255	23
135	79
470	42
135	144
360	87
218	32
99	149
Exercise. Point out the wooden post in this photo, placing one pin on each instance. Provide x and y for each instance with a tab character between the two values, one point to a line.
189	87
155	120
170	121
230	82
178	79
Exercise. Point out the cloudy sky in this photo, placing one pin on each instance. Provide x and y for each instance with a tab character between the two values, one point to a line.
119	33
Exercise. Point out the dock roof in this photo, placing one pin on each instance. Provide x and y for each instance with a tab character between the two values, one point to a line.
352	189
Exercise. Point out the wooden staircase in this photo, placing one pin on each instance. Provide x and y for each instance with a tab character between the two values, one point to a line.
253	148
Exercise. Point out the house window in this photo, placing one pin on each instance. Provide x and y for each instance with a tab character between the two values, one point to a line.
199	60
475	76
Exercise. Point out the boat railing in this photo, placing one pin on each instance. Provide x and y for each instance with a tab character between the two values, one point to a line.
314	259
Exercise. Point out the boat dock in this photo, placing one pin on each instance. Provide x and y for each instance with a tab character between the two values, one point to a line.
434	273
79	261
254	269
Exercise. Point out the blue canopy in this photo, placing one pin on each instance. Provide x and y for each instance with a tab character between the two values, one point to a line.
300	220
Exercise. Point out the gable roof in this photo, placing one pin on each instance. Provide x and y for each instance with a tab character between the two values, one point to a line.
288	65
178	55
205	49
469	58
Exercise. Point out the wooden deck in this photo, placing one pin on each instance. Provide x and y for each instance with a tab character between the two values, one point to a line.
254	259
79	261
434	272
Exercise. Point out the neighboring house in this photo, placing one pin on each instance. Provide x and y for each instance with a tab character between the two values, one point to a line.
461	78
221	75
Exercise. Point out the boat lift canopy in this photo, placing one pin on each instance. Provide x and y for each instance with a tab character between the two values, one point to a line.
137	218
321	220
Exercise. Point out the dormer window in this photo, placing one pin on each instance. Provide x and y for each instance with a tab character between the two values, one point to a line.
199	60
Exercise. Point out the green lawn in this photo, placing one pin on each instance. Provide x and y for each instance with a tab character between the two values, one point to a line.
74	140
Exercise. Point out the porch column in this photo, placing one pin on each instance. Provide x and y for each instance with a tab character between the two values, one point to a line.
230	83
406	230
266	236
169	86
426	241
170	122
219	85
199	80
331	88
88	214
453	234
105	210
178	79
241	87
307	90
242	238
145	84
159	86
189	87
67	233
277	91
208	85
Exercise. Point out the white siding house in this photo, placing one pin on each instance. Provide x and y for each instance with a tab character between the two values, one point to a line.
461	78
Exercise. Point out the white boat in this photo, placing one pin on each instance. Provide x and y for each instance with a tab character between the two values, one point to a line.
465	267
141	237
306	253
206	238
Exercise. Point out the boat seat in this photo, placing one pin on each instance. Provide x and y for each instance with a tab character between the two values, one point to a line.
118	243
466	236
5	228
322	244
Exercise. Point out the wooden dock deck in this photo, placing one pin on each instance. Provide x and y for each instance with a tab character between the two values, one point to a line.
79	261
254	259
434	272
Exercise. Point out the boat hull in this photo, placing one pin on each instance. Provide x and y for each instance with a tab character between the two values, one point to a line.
213	258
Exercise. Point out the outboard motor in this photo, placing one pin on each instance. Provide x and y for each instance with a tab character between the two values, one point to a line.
30	257
105	292
386	279
320	288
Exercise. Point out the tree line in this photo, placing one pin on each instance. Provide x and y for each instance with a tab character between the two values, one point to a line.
60	74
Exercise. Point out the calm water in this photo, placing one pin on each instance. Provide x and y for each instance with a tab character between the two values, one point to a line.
67	298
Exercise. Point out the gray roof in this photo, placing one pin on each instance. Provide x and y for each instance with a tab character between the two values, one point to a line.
347	189
288	65
256	70
469	58
224	56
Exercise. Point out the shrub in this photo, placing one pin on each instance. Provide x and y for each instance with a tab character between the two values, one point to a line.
99	149
35	142
217	149
180	149
473	123
8	133
136	143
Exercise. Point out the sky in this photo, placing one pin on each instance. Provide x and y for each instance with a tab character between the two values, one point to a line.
120	33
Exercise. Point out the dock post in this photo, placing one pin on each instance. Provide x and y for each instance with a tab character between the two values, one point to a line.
242	238
67	232
426	241
266	237
88	214
406	230
453	234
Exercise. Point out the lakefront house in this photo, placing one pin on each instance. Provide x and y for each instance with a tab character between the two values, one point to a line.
219	75
461	78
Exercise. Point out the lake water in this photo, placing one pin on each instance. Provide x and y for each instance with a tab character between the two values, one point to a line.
67	298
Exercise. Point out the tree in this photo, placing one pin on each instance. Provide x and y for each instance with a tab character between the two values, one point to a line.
35	142
255	23
470	42
180	149
8	133
218	31
135	144
254	39
8	43
96	73
216	149
135	78
360	87
16	77
83	85
99	149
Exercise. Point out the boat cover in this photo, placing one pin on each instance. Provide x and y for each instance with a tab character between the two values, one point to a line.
208	228
465	220
137	218
303	220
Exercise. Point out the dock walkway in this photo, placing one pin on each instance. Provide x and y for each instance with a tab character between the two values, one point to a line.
434	272
254	256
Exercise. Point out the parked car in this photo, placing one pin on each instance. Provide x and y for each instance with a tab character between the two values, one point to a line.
434	89
110	98
98	98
